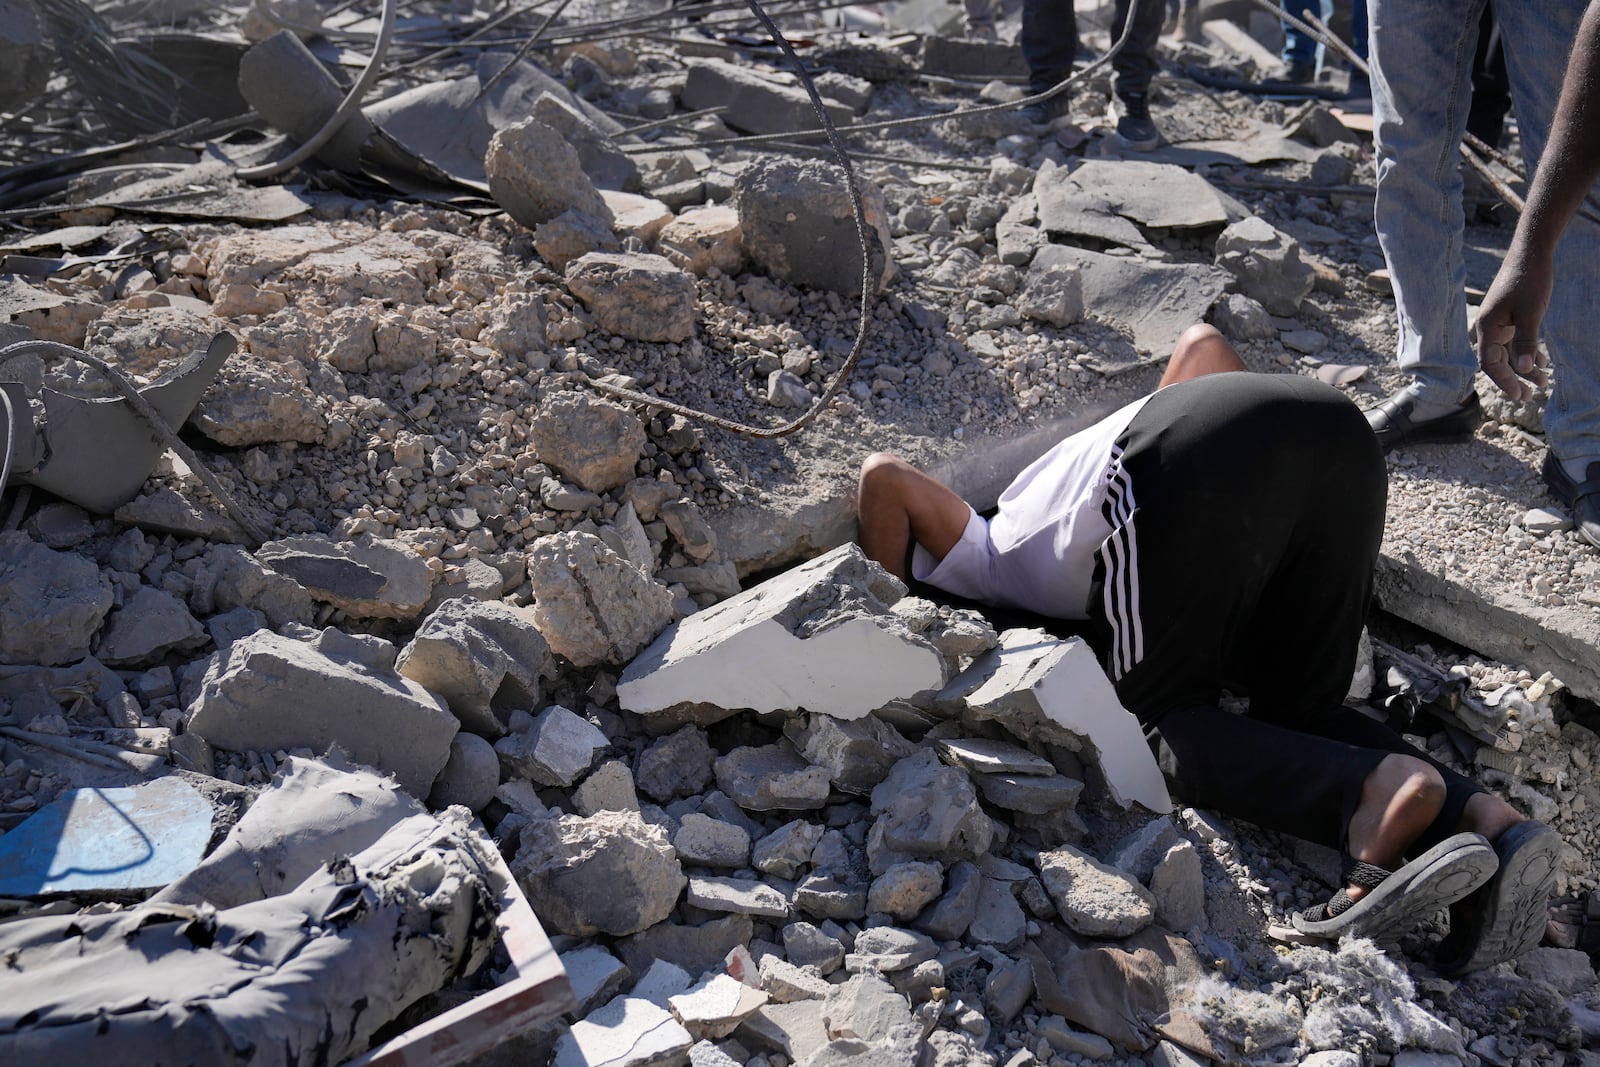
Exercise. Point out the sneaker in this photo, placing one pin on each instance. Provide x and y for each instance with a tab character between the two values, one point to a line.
1134	128
1047	111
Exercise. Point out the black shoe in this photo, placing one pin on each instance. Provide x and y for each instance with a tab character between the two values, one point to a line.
1507	916
1134	128
1392	421
1047	111
1582	497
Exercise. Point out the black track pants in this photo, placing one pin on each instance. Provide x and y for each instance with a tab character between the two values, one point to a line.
1246	514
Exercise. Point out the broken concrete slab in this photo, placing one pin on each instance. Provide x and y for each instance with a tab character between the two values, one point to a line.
1086	201
636	295
715	1006
484	658
969	57
272	692
751	101
741	896
63	596
369	578
137	837
610	872
627	1032
590	604
1156	301
797	223
822	633
1042	688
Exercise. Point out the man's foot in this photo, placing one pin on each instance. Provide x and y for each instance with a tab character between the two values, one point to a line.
1582	497
1293	72
1048	111
1395	902
1406	419
1134	128
1508	915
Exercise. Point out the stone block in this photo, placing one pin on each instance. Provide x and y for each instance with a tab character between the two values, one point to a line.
1266	265
536	175
754	103
592	605
368	578
610	872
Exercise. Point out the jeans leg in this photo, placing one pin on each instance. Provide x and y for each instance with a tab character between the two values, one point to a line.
1360	84
1299	47
1537	38
1135	66
1421	65
1049	38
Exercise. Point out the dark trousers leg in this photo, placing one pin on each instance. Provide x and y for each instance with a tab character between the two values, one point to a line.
1247	512
1135	66
1049	39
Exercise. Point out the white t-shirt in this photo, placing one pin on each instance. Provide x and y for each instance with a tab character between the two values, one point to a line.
1037	553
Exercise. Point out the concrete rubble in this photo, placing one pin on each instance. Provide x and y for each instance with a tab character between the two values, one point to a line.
509	649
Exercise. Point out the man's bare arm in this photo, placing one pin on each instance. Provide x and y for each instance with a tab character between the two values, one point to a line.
1508	321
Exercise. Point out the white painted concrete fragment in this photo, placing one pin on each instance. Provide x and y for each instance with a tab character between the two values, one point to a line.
628	1032
1033	680
817	637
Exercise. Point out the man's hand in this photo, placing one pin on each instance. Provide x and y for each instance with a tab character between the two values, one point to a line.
1508	328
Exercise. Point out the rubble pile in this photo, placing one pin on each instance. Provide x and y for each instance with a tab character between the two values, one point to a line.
771	812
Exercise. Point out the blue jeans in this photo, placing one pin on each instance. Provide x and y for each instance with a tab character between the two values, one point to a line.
1297	47
1422	53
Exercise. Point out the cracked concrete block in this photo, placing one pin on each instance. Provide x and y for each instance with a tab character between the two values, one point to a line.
772	778
590	604
715	1006
610	872
754	102
149	624
704	237
926	810
557	750
857	754
55	602
593	442
368	578
636	295
1054	691
485	658
1093	898
1157	301
536	175
1266	264
269	692
820	636
797	222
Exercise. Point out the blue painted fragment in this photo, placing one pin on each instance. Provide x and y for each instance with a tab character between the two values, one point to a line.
135	837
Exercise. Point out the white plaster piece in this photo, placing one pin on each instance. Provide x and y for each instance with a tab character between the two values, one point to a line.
1031	676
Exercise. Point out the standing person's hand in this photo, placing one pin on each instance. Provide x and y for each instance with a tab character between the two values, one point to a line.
1508	328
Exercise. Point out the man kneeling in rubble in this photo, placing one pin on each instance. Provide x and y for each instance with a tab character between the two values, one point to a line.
1222	533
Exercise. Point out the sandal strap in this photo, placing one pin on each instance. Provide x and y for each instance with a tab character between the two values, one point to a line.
1366	875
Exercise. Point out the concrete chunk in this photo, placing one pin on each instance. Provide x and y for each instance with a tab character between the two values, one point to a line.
268	692
1157	301
369	578
536	175
1054	691
822	635
1094	899
798	225
1266	264
715	1006
63	597
754	103
150	624
592	605
611	872
771	778
857	754
484	658
557	750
